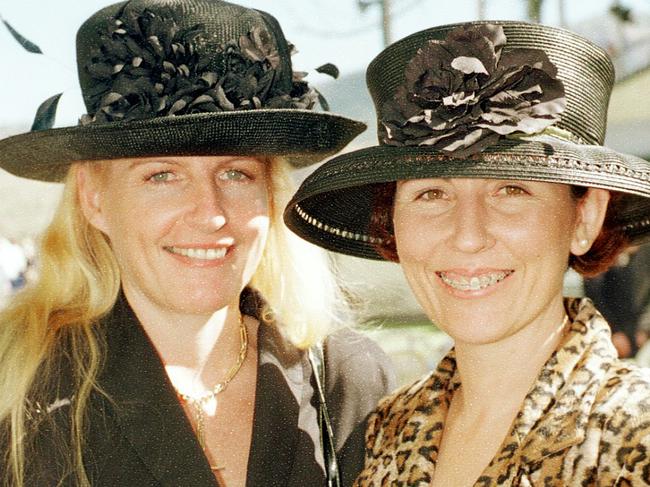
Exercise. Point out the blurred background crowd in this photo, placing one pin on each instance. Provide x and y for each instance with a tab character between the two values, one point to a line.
348	33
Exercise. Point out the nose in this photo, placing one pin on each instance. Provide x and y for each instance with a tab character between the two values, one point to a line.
470	229
206	210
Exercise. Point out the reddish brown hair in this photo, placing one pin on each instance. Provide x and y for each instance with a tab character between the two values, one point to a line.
603	252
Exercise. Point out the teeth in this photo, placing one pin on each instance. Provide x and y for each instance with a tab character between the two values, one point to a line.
203	254
474	283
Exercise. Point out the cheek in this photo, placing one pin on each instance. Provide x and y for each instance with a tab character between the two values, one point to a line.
135	223
253	217
127	221
545	233
260	207
256	205
246	202
422	283
416	244
415	237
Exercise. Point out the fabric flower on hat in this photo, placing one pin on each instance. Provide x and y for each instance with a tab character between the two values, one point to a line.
147	67
463	93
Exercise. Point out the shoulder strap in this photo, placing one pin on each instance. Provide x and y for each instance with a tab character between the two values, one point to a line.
317	359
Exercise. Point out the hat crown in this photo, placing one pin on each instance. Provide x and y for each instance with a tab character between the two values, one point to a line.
182	77
214	24
585	70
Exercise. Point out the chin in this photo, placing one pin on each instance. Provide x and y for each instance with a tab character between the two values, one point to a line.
473	328
206	302
471	337
199	309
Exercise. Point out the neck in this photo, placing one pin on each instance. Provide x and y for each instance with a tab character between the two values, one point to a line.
197	350
496	377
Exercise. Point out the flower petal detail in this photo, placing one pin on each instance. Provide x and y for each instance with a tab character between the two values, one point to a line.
469	65
463	93
147	66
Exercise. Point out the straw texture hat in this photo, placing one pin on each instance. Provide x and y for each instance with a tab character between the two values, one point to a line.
183	77
502	100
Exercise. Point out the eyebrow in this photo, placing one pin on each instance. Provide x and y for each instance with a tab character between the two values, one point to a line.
246	159
134	164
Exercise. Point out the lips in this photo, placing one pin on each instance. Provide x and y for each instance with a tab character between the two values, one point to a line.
212	253
475	282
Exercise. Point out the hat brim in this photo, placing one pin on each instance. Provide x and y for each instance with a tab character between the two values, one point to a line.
332	207
304	136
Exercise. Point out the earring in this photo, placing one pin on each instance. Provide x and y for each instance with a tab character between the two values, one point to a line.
583	242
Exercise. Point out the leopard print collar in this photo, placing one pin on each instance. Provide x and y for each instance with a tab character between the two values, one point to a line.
554	413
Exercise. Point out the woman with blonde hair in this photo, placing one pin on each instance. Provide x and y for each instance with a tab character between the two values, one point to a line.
490	181
172	336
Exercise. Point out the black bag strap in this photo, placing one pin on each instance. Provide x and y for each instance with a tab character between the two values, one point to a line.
317	359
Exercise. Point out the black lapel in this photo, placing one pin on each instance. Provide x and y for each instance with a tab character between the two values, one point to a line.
278	398
145	403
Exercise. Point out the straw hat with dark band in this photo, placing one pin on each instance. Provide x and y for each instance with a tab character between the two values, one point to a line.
501	100
183	77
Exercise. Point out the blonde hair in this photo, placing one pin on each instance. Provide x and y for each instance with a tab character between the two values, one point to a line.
294	276
78	284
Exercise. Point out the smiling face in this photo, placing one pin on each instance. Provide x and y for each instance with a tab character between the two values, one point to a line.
187	232
486	258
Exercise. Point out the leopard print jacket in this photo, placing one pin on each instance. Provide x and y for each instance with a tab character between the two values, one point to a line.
586	421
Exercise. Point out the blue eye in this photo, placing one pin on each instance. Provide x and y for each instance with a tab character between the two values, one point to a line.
233	175
160	177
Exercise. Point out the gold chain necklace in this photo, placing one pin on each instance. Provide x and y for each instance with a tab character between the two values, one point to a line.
198	403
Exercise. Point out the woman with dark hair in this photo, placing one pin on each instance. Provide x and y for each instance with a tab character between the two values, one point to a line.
489	182
173	334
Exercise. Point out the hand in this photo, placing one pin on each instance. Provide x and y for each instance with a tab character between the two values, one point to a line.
622	344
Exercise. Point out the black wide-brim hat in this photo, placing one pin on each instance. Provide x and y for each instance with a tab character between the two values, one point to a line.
183	77
540	115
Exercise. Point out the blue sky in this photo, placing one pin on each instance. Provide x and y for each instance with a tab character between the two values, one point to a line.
323	30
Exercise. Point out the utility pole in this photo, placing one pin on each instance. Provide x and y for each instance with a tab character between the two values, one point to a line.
535	10
385	21
385	6
480	4
562	12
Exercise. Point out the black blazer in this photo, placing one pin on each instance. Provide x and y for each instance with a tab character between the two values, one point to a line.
139	435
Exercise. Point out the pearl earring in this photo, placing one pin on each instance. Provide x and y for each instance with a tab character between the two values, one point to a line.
583	242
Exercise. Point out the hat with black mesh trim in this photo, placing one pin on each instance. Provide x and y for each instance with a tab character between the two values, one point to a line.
497	99
183	77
